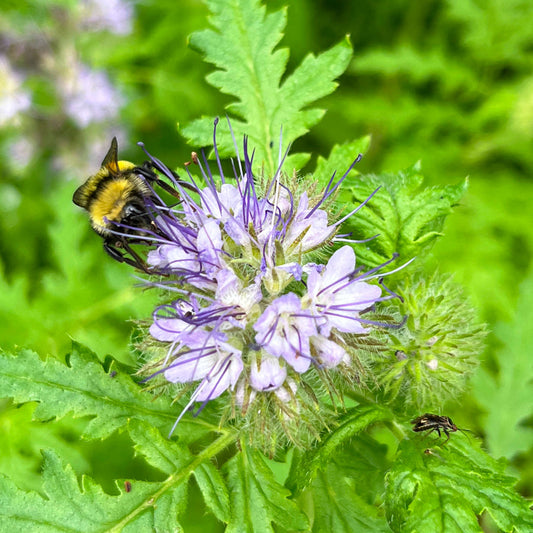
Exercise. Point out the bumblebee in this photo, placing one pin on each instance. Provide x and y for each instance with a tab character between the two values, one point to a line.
116	199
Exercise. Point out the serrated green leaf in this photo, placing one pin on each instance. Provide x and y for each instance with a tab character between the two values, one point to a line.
508	397
406	218
162	453
340	159
214	490
358	419
68	508
83	388
256	498
23	440
364	460
178	462
339	508
167	511
444	489
242	47
145	506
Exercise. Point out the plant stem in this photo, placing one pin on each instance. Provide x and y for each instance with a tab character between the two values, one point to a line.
175	479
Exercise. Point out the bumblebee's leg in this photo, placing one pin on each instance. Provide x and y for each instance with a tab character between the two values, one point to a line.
146	171
447	435
135	260
172	191
149	167
113	252
168	188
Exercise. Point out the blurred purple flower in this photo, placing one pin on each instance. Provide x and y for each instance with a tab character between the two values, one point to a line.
88	96
21	152
13	98
115	16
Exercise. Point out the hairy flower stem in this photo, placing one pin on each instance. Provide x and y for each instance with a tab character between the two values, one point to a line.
361	398
394	427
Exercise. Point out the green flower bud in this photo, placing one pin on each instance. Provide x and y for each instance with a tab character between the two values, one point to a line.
429	359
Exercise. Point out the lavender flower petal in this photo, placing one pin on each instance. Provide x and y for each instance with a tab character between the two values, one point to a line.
269	375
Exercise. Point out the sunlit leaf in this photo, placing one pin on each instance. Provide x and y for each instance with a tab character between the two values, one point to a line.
82	388
445	489
242	45
67	507
257	499
406	218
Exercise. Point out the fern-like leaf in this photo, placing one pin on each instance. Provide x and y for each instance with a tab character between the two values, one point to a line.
242	45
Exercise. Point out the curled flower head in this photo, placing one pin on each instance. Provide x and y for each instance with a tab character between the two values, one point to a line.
429	360
249	311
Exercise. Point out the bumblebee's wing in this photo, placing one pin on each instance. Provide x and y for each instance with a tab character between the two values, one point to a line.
80	196
111	159
84	193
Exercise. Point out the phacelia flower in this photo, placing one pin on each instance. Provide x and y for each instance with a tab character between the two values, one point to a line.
284	330
249	309
115	16
88	96
14	100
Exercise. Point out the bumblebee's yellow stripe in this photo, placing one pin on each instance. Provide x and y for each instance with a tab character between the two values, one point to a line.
110	202
124	165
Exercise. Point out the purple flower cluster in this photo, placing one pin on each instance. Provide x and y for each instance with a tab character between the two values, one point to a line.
88	95
115	16
14	100
250	312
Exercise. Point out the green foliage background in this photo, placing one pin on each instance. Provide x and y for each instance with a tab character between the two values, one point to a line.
449	83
